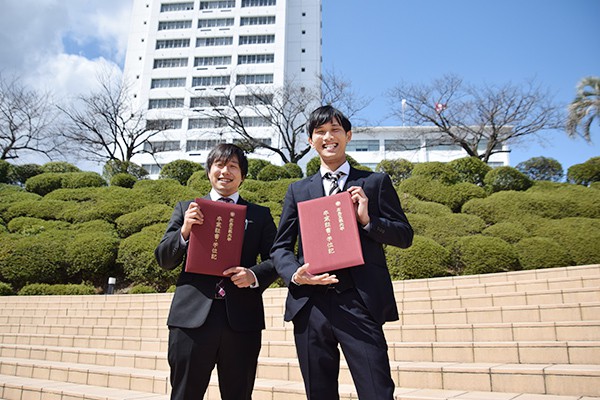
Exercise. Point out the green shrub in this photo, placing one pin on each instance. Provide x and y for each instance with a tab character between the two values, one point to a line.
142	289
133	222
6	289
539	252
42	209
171	289
91	256
541	169
412	205
180	170
31	259
136	254
510	232
595	185
313	165
470	170
255	165
445	229
113	167
59	167
5	171
43	184
424	259
479	254
579	236
293	170
33	226
453	196
75	180
43	289
199	183
506	178
123	180
20	173
164	191
436	170
273	173
398	169
586	173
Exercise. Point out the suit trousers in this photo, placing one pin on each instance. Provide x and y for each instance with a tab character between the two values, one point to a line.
331	317
194	352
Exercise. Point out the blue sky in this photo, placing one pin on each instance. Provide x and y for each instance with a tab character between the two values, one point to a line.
555	42
374	45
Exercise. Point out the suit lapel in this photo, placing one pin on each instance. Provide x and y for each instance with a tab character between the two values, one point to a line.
315	186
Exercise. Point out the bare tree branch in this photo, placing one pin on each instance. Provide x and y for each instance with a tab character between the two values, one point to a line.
478	119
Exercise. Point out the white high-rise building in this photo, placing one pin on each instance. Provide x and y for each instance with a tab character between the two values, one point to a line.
181	54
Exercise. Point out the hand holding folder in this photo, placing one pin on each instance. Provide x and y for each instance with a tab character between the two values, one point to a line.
216	245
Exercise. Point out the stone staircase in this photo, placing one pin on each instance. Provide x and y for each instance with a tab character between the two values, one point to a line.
529	335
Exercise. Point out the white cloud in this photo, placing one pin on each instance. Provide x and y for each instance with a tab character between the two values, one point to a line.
33	33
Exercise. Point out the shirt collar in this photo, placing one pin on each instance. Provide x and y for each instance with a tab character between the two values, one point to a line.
214	196
345	168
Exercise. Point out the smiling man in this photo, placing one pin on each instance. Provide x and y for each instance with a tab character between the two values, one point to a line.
213	320
347	308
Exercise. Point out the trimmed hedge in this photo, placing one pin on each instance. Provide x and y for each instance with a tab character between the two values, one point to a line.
506	178
510	232
136	254
45	183
255	165
142	289
6	289
273	173
91	256
59	167
123	180
163	191
398	169
424	259
480	254
412	205
293	170
436	170
470	170
180	170
20	173
445	229
32	226
453	196
539	252
43	289
133	222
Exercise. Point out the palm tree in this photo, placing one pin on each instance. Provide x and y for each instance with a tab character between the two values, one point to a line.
585	108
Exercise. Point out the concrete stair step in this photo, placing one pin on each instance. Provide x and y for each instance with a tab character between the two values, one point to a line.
137	379
555	379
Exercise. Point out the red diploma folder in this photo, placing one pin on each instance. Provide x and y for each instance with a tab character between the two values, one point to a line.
329	233
216	245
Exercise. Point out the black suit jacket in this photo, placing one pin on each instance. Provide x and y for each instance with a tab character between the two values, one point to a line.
194	293
388	225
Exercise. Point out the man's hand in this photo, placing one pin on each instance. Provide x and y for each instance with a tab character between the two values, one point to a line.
361	204
303	277
193	216
240	276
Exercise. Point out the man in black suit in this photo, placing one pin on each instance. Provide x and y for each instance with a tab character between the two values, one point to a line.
350	306
213	320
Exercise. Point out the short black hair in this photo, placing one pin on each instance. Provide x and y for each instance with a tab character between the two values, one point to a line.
225	152
325	114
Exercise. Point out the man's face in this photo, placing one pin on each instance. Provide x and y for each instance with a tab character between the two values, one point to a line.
225	177
329	140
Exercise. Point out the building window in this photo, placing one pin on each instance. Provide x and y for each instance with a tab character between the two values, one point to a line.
259	79
254	100
402	144
210	81
213	5
209	61
163	124
167	83
258	3
363	145
206	123
215	23
256	59
250	122
170	62
172	43
257	39
152	169
169	25
167	7
214	41
195	145
160	146
214	101
265	20
442	145
165	103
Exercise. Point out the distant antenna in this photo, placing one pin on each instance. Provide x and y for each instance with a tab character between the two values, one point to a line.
403	109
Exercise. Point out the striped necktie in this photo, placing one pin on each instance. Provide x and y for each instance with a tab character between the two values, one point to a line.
334	178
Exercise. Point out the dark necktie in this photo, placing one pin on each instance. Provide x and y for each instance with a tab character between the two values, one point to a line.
220	287
334	179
